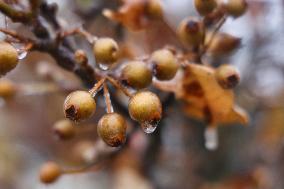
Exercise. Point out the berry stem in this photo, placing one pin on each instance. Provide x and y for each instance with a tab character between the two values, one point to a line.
107	99
14	34
97	87
90	167
80	31
119	86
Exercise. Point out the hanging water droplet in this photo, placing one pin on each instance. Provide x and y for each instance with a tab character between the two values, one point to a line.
103	67
149	127
22	54
211	138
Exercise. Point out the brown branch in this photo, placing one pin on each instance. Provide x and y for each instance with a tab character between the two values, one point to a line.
15	15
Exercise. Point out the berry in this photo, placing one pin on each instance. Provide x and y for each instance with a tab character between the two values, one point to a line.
223	44
154	8
227	76
205	7
64	129
236	8
165	64
79	105
7	89
105	50
49	172
8	58
137	75
112	129
145	107
191	31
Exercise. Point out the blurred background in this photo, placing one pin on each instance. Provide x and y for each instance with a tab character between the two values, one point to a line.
174	156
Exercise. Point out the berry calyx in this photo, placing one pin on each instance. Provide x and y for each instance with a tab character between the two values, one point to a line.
8	58
79	106
105	51
145	107
165	64
112	129
205	7
49	172
64	129
137	75
191	31
227	76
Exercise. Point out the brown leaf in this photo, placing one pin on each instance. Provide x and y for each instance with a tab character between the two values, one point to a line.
203	97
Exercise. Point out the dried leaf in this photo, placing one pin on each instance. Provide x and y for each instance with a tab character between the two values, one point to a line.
204	98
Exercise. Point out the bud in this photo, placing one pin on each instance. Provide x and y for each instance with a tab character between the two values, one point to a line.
227	76
49	172
81	57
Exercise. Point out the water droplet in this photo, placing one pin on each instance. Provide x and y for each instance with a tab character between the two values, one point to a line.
149	127
22	54
103	67
211	138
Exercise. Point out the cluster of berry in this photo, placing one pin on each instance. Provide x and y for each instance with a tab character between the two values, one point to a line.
163	64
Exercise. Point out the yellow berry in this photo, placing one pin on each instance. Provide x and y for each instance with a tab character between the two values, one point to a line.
8	58
49	172
112	129
191	31
79	105
137	75
64	129
227	76
165	64
154	8
7	89
205	7
145	107
236	8
105	51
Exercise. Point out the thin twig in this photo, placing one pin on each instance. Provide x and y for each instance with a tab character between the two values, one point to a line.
14	34
91	167
119	86
80	31
107	99
97	87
